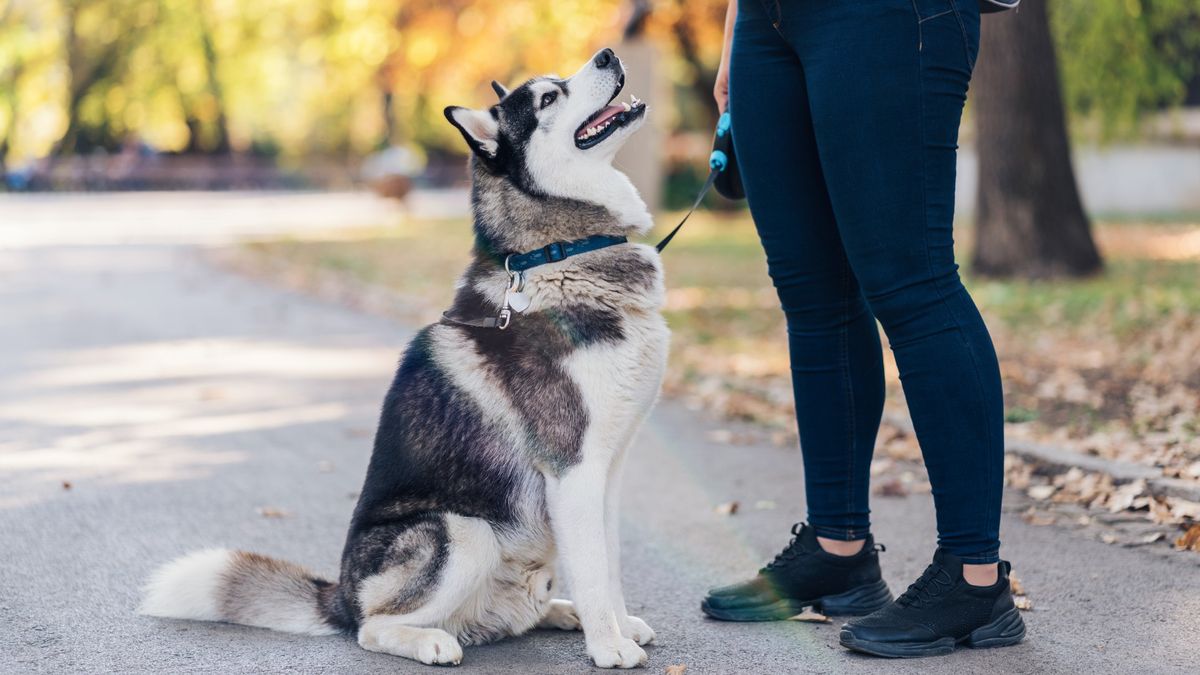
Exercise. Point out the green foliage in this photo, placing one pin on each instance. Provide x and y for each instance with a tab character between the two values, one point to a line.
1121	58
310	77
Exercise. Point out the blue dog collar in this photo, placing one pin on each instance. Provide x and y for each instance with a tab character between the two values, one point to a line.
560	250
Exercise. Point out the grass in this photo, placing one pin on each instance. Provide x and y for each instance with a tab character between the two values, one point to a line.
1110	364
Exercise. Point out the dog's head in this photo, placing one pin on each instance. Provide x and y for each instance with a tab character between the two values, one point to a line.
554	137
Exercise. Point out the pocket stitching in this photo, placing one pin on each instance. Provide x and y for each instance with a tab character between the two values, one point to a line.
920	20
963	29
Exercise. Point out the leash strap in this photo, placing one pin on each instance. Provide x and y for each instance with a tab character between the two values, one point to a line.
486	322
708	183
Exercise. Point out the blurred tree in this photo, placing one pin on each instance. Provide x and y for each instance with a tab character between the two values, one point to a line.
1121	58
342	77
1030	220
97	38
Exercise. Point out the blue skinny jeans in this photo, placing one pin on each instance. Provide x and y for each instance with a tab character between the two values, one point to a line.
845	125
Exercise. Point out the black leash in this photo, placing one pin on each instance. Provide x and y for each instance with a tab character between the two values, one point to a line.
708	183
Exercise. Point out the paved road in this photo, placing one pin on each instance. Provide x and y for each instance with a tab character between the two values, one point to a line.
177	401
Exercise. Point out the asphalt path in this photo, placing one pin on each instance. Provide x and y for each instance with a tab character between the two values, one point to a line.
151	404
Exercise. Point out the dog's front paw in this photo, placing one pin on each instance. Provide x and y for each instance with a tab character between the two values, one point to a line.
438	648
618	653
637	630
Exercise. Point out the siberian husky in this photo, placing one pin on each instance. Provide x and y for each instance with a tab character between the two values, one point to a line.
501	440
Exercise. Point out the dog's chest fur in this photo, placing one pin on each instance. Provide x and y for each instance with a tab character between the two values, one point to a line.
592	343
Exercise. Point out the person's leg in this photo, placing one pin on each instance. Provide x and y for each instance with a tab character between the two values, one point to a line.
887	85
837	368
836	358
887	82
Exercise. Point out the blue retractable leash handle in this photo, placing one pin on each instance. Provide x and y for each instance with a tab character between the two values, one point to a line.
723	173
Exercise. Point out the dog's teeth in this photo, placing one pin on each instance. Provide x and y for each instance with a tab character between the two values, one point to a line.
626	106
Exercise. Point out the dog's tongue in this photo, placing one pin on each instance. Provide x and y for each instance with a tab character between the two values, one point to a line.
606	113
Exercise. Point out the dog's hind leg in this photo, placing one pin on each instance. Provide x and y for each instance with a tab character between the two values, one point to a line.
416	612
388	633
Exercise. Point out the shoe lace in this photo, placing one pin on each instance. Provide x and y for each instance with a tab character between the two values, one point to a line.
789	553
932	583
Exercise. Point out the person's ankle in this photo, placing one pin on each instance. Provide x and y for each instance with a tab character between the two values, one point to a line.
841	548
984	575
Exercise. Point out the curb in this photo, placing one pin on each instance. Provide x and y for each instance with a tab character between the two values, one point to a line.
1058	458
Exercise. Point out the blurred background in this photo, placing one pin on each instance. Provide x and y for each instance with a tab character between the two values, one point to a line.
1078	198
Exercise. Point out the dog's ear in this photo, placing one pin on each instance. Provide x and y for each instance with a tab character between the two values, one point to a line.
501	92
478	128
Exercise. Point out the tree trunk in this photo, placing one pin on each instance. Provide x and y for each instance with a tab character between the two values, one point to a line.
1030	219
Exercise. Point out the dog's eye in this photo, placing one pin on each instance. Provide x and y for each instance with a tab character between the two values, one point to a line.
549	97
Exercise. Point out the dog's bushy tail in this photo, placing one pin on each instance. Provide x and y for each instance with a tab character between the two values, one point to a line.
246	588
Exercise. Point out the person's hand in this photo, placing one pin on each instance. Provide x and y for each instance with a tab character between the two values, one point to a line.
721	88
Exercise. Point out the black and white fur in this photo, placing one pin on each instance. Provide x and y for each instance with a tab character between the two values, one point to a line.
498	451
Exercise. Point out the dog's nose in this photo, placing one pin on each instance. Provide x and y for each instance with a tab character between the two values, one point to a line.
604	58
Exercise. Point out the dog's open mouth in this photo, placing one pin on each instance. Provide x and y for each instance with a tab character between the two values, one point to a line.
607	120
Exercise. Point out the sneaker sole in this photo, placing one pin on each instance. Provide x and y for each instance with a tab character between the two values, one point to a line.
855	602
1008	629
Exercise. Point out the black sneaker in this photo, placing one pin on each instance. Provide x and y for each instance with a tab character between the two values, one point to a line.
940	610
805	575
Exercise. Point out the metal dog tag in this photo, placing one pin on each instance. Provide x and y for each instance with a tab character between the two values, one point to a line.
518	301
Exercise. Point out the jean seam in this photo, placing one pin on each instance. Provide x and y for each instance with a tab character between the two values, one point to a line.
937	284
851	427
917	15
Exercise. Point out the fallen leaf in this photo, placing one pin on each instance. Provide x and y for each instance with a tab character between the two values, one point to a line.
1182	508
1124	496
66	485
1108	538
1152	538
720	436
764	505
810	616
1015	584
1038	519
1041	492
882	466
1023	603
677	669
727	509
891	488
271	512
1189	540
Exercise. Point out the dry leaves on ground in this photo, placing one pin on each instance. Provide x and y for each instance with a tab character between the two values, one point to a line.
727	509
676	669
1020	599
811	616
1189	540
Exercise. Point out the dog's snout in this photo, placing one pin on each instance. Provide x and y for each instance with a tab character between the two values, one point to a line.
604	58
